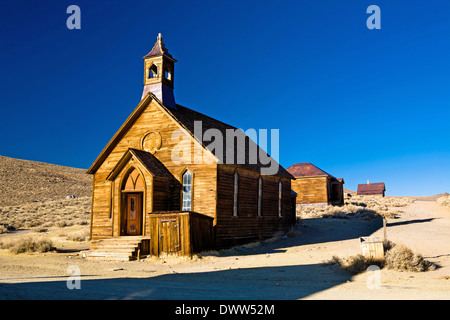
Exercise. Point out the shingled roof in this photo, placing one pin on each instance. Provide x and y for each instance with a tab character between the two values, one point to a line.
187	117
371	189
306	169
148	160
151	163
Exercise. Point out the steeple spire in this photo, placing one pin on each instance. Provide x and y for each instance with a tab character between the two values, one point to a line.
159	73
159	49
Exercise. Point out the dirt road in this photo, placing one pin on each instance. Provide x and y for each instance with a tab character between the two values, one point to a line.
290	268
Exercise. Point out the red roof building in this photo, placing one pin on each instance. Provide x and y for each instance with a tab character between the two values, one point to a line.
371	189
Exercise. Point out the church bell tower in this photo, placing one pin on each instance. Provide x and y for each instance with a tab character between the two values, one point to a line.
159	74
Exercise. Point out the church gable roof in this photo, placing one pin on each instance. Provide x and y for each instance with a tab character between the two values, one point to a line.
185	118
146	159
151	163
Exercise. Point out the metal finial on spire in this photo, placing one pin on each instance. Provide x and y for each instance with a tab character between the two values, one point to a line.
159	37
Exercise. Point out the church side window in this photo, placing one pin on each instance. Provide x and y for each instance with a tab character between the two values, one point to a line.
259	197
235	195
187	191
279	198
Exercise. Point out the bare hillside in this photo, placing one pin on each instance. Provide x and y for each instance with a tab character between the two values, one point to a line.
23	181
348	191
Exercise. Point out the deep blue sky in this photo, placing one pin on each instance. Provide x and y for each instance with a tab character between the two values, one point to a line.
358	103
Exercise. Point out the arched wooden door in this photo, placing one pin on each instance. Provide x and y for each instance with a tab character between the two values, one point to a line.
132	204
133	214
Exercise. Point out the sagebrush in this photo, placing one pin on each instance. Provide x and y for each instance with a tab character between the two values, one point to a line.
358	207
397	257
46	214
27	244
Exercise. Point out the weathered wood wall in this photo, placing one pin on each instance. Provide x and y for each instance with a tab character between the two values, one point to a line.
311	190
161	191
247	225
179	233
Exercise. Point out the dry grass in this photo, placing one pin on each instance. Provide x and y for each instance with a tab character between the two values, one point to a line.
354	264
26	244
47	214
358	207
401	258
444	201
43	240
79	236
397	257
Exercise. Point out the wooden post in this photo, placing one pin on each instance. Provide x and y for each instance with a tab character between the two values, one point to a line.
384	228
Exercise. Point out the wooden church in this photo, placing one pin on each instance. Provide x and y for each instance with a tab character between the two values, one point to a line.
147	202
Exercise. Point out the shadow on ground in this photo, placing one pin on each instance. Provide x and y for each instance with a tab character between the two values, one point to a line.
274	283
400	223
314	231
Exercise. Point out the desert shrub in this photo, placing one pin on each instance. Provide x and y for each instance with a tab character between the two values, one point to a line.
358	207
80	222
63	223
388	245
3	229
32	223
27	244
397	257
401	258
354	264
6	228
78	236
39	229
347	211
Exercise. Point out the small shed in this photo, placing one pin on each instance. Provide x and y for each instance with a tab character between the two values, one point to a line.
315	186
371	189
180	233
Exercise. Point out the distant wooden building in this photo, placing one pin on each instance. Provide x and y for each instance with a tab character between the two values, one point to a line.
371	189
315	186
148	200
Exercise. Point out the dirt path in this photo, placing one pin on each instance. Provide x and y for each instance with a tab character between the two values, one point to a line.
424	227
290	268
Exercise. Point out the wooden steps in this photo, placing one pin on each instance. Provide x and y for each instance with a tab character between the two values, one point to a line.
120	248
